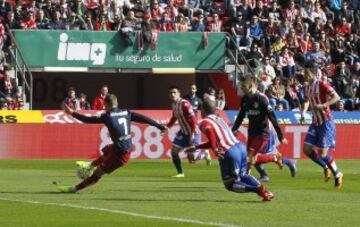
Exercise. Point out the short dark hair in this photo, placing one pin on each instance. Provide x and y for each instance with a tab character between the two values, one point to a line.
172	87
209	106
249	77
311	66
111	100
71	88
82	95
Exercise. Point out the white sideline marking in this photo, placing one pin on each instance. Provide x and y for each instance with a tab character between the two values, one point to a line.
163	218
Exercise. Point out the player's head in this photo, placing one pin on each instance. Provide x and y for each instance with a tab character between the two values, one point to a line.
71	92
104	90
193	89
310	72
110	102
174	93
208	107
249	85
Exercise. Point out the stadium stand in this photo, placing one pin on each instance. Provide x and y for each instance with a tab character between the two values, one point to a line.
289	33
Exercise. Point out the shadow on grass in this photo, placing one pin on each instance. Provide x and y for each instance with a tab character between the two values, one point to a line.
33	193
256	200
171	189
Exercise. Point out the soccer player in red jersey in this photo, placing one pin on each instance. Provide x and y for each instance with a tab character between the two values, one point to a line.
118	122
319	95
259	111
230	152
188	133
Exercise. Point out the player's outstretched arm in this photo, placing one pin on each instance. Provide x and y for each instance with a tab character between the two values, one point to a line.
83	118
146	120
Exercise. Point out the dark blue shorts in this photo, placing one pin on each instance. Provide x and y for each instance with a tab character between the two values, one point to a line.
181	140
322	136
272	142
234	164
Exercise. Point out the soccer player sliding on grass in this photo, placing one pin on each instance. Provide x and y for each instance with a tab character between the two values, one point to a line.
321	133
230	152
118	122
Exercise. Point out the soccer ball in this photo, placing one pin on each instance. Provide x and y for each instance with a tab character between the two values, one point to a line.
83	173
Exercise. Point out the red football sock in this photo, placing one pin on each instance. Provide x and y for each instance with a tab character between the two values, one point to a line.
264	158
87	182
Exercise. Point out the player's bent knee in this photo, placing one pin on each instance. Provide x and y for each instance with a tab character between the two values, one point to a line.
307	149
175	152
229	184
323	152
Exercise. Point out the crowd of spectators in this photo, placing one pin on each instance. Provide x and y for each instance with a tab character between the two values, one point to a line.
80	102
278	38
281	35
10	95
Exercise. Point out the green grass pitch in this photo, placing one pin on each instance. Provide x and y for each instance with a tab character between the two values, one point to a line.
143	194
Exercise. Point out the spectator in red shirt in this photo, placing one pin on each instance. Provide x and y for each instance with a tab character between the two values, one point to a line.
166	25
216	24
29	22
306	44
98	103
102	24
343	28
155	11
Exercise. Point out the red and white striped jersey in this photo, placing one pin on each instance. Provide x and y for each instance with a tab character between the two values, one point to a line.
184	114
318	93
224	137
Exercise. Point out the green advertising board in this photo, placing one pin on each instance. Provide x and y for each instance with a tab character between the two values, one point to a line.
108	50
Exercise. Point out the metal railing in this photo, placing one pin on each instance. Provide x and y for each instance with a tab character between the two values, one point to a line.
242	65
21	68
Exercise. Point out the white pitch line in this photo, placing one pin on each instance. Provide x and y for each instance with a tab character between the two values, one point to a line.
163	218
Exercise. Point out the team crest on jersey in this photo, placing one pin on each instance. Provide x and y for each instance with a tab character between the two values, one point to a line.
256	104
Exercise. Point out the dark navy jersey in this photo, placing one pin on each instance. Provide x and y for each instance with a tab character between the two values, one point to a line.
195	101
259	112
118	123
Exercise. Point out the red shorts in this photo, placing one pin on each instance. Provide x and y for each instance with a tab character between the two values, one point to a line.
256	144
112	159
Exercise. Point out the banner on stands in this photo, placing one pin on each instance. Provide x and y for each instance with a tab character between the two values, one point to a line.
61	136
110	50
287	118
